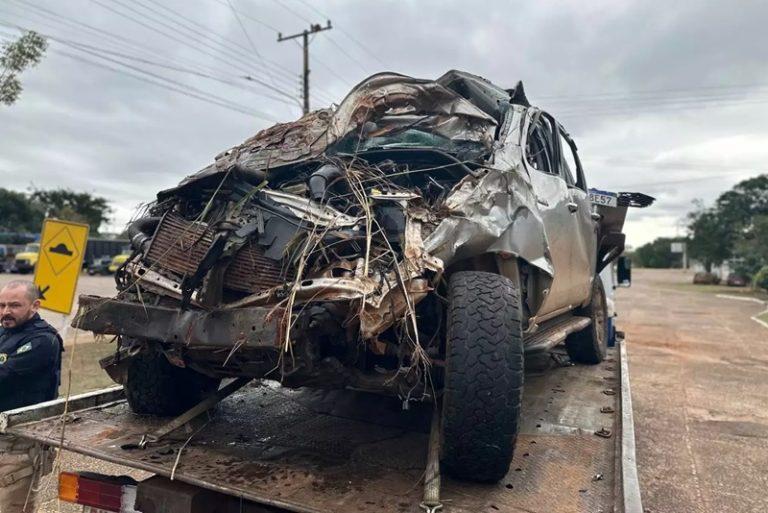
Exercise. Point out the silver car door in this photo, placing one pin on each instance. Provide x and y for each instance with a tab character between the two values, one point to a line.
583	251
553	197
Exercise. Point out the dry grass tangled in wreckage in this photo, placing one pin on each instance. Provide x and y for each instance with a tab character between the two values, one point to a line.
314	252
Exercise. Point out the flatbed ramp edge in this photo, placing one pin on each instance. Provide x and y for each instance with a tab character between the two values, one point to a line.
316	451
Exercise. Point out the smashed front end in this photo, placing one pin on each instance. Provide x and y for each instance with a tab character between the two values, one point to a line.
313	252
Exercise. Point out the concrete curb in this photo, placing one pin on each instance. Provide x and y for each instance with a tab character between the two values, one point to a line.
630	484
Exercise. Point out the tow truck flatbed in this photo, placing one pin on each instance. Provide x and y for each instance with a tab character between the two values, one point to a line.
341	451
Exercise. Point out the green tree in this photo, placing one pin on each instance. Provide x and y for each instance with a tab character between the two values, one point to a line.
751	249
735	229
66	204
17	56
746	200
18	213
657	254
712	237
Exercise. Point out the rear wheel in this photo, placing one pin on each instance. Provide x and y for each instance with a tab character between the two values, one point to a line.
484	376
155	387
590	345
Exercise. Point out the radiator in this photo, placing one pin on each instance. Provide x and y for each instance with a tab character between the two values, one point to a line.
180	245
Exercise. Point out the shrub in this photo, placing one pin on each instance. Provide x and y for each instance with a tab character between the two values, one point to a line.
761	278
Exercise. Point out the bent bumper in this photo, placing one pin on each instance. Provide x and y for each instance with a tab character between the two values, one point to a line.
255	327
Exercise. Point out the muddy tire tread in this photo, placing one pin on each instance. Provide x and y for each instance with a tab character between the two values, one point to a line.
484	376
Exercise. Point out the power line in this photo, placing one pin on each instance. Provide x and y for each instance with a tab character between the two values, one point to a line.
248	16
640	92
171	84
268	65
345	33
207	33
239	59
120	42
661	108
81	46
183	42
250	41
109	38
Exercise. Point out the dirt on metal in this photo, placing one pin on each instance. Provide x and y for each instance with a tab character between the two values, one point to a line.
699	368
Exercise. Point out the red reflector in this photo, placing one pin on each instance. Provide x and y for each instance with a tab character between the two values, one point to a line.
100	495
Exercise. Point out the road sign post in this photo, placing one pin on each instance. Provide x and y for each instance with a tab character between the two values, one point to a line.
62	247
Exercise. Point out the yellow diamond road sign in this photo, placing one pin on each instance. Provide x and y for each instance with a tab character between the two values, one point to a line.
62	246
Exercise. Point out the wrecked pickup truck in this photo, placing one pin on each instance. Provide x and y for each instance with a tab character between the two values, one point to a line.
416	241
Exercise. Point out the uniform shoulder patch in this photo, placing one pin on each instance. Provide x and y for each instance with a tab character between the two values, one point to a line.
23	349
3	358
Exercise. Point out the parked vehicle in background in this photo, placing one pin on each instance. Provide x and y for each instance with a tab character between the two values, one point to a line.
25	261
100	248
736	280
705	278
4	253
116	262
413	242
100	266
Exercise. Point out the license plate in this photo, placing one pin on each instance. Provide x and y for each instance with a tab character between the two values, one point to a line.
608	199
88	509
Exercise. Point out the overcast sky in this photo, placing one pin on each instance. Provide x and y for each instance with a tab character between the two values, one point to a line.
666	98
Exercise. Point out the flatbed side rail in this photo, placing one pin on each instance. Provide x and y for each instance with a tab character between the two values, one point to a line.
56	407
630	484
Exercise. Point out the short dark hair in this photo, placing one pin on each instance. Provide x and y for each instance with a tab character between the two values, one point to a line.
32	292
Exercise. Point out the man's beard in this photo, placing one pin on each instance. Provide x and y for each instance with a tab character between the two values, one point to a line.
8	321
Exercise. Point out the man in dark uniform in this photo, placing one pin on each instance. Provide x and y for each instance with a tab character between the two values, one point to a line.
30	369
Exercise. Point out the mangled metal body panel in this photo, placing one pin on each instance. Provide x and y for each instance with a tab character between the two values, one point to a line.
315	252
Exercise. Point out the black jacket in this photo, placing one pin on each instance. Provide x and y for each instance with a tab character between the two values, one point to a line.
30	364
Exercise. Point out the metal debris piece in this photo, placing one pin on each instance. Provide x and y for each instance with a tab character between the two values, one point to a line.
603	433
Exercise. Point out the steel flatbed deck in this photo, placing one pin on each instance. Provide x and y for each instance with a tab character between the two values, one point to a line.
341	451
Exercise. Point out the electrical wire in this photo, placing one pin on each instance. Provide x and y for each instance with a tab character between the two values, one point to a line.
345	33
166	82
276	67
165	86
234	60
110	38
287	99
250	41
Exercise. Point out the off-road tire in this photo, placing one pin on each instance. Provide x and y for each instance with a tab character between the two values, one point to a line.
155	387
590	345
484	376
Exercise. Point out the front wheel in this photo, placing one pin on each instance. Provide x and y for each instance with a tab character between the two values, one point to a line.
590	345
484	376
155	387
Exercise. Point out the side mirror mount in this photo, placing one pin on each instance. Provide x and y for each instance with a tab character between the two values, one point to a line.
624	271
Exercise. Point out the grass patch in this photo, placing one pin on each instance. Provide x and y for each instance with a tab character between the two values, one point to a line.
763	317
719	289
86	373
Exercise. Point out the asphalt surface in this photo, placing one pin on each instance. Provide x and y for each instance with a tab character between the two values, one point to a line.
699	374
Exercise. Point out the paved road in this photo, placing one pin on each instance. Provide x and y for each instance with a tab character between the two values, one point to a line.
699	371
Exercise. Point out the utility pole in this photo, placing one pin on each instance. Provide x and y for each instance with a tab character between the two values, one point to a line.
305	37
